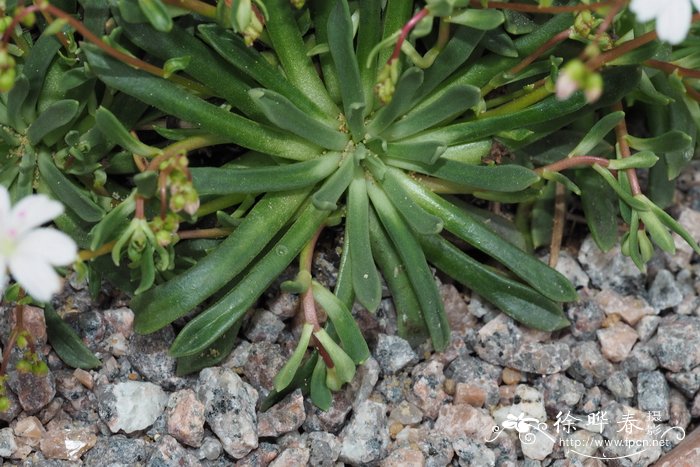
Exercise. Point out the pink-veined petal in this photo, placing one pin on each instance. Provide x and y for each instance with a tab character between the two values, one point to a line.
36	277
673	22
646	10
32	211
49	245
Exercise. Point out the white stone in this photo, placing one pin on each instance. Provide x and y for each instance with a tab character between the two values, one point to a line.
131	405
537	444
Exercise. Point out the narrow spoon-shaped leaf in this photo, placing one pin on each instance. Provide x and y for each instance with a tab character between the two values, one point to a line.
203	330
498	178
420	221
340	32
224	180
450	104
408	84
674	140
478	19
597	133
513	298
67	343
365	278
326	197
542	278
286	374
344	324
416	267
280	111
167	302
58	114
115	132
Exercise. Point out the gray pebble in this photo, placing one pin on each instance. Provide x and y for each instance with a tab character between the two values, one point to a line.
117	451
393	353
688	382
560	392
264	326
210	449
664	291
641	358
646	327
610	269
472	453
325	449
589	365
229	409
677	343
653	393
620	385
543	359
478	373
148	354
365	438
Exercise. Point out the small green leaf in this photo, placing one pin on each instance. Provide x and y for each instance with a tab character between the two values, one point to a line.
624	195
157	14
426	152
674	140
175	64
658	231
320	394
416	267
286	374
55	116
345	325
518	23
228	180
408	84
55	27
65	190
327	196
343	365
216	352
67	344
500	43
340	40
420	221
478	19
365	278
495	178
542	278
280	111
563	179
599	208
640	160
597	133
455	101
114	131
513	298
146	183
112	224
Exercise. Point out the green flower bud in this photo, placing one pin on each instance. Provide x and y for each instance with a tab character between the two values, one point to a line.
386	82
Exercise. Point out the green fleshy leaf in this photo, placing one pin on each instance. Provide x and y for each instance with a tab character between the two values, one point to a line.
542	278
65	190
340	34
112	224
344	324
344	367
673	140
157	14
408	84
484	20
213	355
453	102
280	111
597	133
416	267
286	374
67	343
326	197
318	392
640	160
365	278
58	114
113	130
599	208
420	221
513	298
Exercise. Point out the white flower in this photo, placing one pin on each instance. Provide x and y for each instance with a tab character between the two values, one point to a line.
672	17
30	252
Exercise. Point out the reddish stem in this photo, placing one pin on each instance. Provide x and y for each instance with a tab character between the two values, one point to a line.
561	37
323	353
140	211
572	162
15	21
405	31
620	134
670	68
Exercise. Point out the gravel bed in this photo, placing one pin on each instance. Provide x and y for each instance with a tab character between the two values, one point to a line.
631	357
